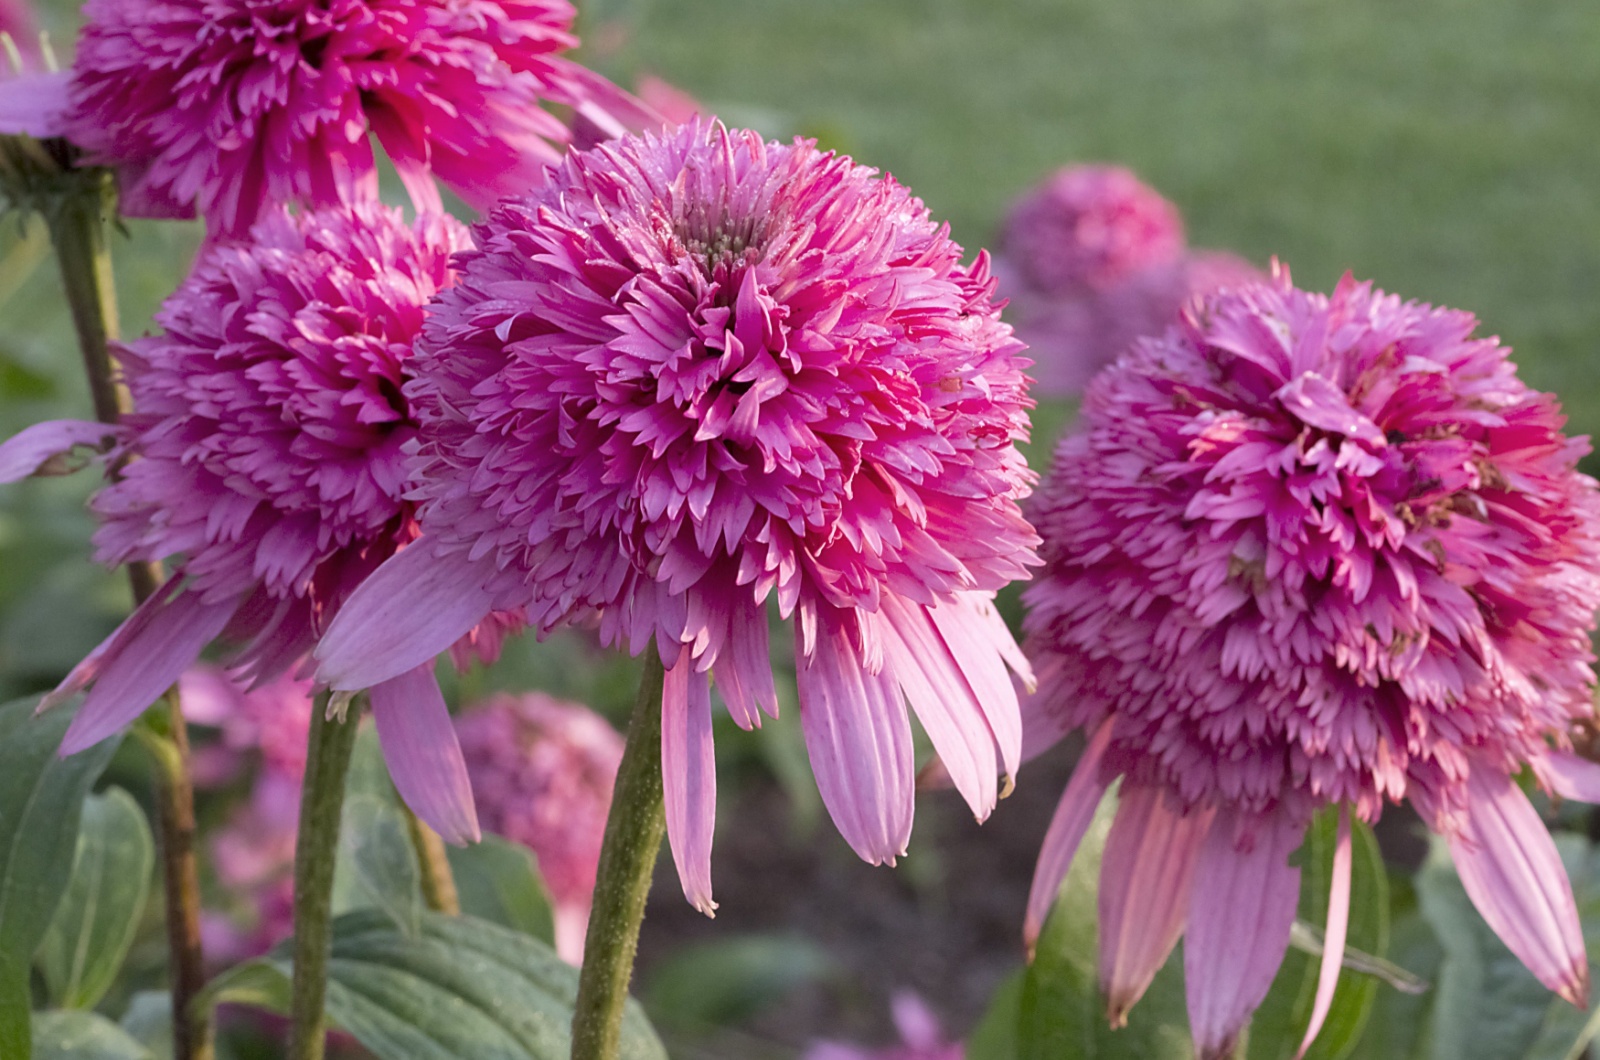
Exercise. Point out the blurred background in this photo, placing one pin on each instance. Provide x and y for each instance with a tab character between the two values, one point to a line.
1447	149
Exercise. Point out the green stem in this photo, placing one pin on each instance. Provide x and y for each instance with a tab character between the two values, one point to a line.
328	752
78	230
627	861
438	882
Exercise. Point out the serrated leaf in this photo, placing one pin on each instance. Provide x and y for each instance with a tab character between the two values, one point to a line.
725	982
98	916
1061	1012
464	988
374	838
70	1035
1281	1021
41	800
499	881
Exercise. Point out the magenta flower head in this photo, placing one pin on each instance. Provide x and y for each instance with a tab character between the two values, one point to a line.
542	773
266	456
695	373
1308	552
240	104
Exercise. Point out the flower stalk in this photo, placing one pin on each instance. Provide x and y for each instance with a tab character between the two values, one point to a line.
438	882
634	831
328	752
78	222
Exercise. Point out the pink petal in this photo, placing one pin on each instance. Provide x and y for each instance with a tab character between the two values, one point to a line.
921	663
689	778
859	740
744	671
38	450
134	671
34	104
1145	880
972	631
1569	776
1067	827
412	608
80	676
424	757
1333	938
1240	913
1513	874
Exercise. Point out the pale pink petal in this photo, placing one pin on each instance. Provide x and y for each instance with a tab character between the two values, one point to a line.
918	1026
1067	827
859	740
1569	776
933	684
34	104
1145	880
973	632
1338	928
42	448
133	675
1513	874
412	608
1240	912
744	670
132	627
689	778
424	757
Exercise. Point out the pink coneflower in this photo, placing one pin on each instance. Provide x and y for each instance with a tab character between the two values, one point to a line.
921	1037
542	773
271	723
265	454
1308	552
235	105
696	372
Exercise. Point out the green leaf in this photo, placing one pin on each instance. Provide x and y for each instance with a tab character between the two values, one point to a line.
464	988
377	843
499	881
1061	1012
1281	1021
82	1036
148	1021
726	982
995	1036
99	915
41	799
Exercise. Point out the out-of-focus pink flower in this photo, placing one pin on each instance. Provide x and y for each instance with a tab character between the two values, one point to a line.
236	105
17	21
542	773
272	721
668	100
696	372
1307	552
921	1038
266	451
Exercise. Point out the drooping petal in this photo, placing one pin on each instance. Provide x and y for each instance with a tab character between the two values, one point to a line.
1333	938
424	756
744	670
972	631
34	104
40	449
1569	776
129	678
689	778
132	627
1145	881
412	608
1240	912
1071	821
933	684
859	740
1513	874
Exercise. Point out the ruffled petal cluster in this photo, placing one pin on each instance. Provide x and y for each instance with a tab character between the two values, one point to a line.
697	373
235	106
1092	259
265	459
542	773
1310	551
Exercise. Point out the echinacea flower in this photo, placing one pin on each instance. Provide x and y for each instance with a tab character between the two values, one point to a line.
236	105
921	1037
265	456
696	372
1308	552
542	772
269	723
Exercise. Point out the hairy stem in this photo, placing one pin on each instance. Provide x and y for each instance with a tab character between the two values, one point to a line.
78	230
627	861
328	754
438	882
